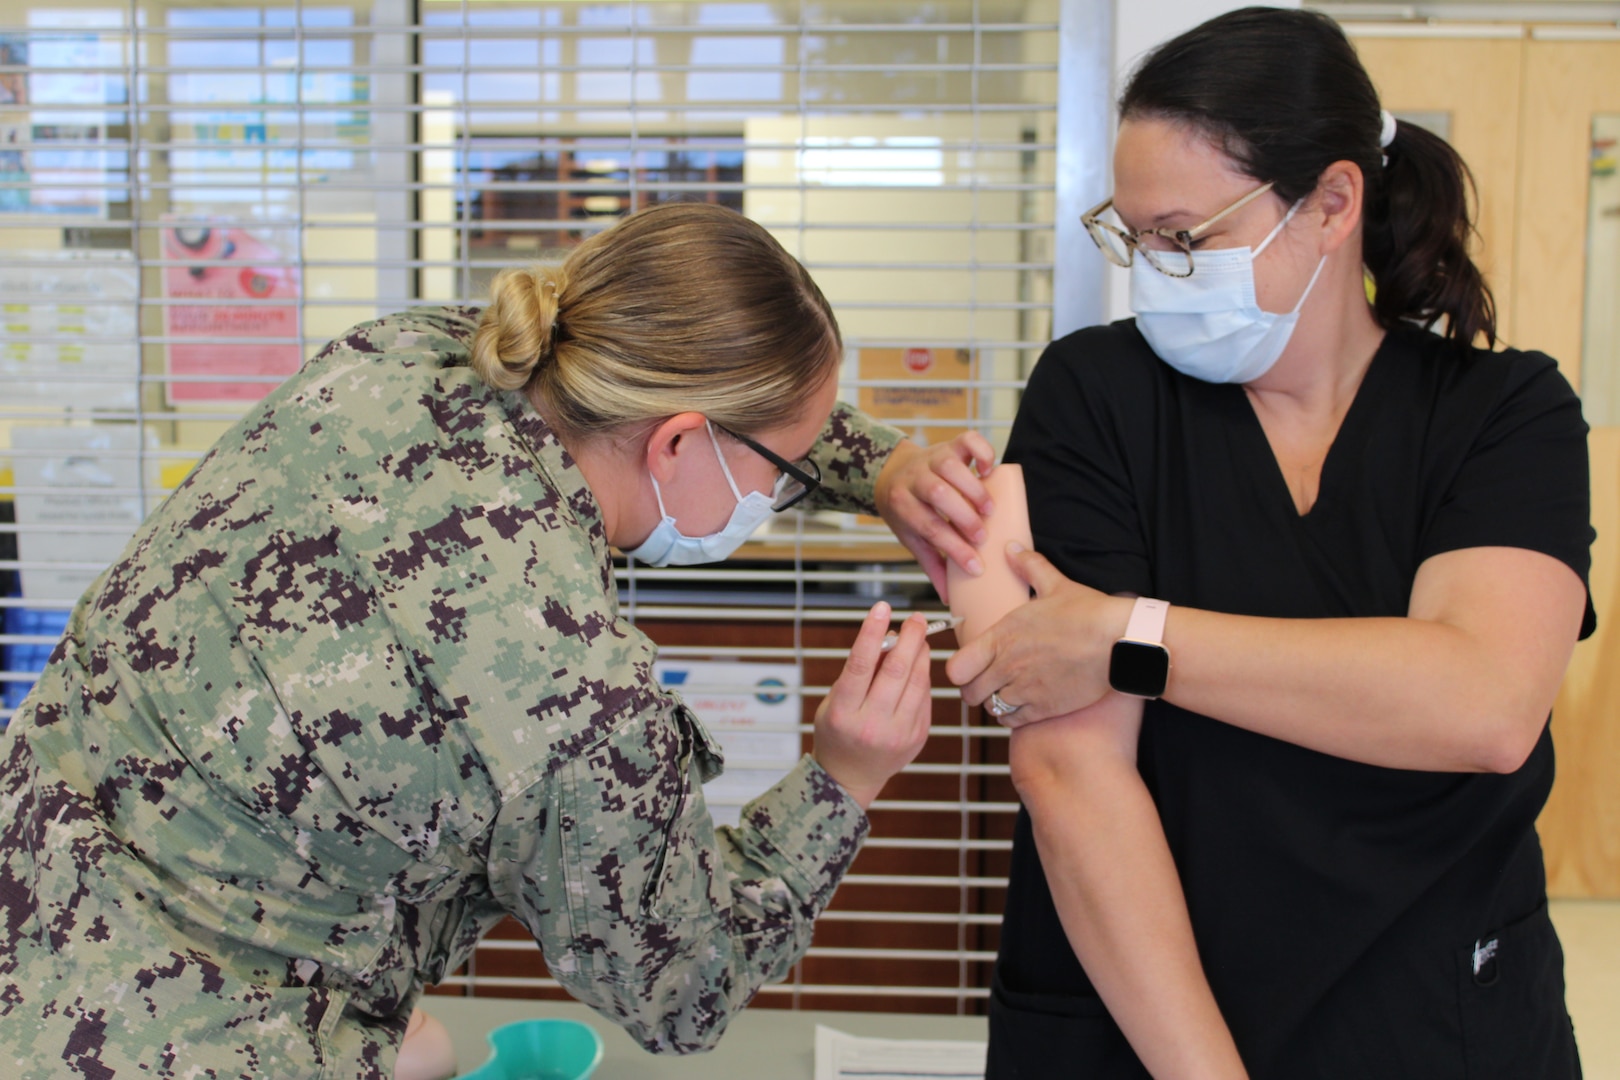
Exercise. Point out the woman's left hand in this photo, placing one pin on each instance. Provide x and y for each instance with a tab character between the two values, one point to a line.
1049	656
936	503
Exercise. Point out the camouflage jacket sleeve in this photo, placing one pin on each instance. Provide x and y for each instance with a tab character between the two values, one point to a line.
601	842
644	910
851	451
603	845
604	848
357	688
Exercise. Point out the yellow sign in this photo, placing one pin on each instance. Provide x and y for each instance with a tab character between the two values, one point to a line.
917	388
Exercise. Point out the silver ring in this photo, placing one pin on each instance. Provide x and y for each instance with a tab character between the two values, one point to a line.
999	708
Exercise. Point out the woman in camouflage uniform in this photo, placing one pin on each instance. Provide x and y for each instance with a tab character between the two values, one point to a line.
360	687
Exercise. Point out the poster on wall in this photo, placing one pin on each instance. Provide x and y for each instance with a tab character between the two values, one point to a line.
923	392
753	711
55	153
80	501
13	84
71	329
238	293
14	193
919	389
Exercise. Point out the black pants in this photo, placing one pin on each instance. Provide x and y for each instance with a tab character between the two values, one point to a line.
1041	1036
1505	1022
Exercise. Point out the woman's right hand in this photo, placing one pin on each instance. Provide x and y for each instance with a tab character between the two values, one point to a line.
874	720
1048	656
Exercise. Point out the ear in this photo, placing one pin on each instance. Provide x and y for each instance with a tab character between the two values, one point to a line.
1339	194
679	435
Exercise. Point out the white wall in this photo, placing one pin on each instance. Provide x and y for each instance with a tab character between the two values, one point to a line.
1138	26
1141	24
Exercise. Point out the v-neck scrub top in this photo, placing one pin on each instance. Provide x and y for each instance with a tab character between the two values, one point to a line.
1354	921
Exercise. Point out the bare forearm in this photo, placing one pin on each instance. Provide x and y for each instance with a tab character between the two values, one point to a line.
1402	693
1462	684
1119	898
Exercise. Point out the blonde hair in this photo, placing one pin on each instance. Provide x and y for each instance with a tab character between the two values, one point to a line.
682	307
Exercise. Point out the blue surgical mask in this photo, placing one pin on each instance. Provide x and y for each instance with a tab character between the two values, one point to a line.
668	546
1209	325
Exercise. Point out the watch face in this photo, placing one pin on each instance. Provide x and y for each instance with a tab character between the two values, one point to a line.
1139	668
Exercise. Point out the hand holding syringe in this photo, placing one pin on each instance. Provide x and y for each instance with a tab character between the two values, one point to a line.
944	622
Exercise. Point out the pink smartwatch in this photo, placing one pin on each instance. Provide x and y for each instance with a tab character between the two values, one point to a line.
1140	663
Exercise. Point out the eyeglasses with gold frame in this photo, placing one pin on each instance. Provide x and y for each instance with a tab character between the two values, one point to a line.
1169	251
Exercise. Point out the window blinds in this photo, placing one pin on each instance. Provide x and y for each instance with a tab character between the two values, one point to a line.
196	196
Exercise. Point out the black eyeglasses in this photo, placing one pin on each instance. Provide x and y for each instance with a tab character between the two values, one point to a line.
796	481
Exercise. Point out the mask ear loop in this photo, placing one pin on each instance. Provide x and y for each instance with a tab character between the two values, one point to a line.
659	495
721	455
1319	263
724	468
1272	235
1310	285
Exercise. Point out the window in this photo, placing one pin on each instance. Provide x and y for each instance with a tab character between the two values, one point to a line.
196	196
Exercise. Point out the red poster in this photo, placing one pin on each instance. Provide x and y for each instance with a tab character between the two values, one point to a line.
232	265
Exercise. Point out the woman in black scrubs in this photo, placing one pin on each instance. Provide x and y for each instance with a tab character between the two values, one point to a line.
1312	567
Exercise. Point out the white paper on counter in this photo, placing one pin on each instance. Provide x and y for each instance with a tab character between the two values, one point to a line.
840	1056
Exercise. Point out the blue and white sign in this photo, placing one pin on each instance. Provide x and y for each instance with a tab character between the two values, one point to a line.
753	711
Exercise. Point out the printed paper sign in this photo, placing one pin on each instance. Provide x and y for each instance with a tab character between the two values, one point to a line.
912	397
71	329
231	265
84	505
753	711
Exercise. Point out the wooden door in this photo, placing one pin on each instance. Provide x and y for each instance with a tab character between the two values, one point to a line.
1473	84
1520	109
1566	84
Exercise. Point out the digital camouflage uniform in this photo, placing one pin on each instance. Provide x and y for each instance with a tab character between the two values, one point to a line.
355	691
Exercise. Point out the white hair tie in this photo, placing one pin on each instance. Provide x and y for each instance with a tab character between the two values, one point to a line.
1386	134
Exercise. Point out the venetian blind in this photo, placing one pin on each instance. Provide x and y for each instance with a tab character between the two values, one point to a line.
196	196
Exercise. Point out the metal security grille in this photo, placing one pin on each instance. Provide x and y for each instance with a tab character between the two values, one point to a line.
195	196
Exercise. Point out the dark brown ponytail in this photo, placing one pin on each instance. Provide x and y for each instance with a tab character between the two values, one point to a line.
1415	239
1284	95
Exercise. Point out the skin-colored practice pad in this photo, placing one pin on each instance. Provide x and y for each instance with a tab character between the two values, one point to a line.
981	602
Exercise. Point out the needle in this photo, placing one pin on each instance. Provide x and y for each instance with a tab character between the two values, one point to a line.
934	627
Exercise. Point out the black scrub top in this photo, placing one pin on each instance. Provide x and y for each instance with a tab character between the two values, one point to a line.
1340	909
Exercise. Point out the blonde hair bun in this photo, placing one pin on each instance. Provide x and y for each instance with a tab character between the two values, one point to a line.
518	330
681	307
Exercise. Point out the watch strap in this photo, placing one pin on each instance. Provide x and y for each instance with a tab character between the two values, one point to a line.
1147	620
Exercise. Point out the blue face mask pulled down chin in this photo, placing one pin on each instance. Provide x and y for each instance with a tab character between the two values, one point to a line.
668	546
1209	326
